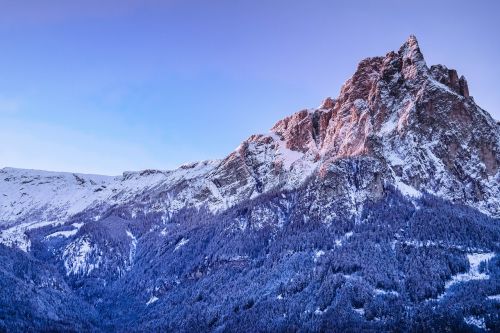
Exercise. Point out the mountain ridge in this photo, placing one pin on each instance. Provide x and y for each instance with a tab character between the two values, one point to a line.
377	211
393	108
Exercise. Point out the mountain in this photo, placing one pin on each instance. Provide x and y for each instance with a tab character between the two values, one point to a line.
378	210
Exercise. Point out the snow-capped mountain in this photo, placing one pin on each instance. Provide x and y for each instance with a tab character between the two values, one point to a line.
418	123
401	136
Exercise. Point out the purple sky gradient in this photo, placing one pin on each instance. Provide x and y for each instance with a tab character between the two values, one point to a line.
107	86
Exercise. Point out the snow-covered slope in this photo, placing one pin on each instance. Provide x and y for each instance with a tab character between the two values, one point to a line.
47	195
33	195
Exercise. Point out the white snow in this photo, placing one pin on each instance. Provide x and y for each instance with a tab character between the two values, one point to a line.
215	192
340	241
16	235
475	259
288	156
475	321
318	254
181	243
390	125
441	86
420	243
318	312
396	118
152	300
60	194
394	158
407	190
133	248
77	255
379	291
31	195
494	297
360	104
56	196
64	233
360	311
430	243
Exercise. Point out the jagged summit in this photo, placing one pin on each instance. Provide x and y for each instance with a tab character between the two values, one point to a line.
420	123
410	50
382	88
411	42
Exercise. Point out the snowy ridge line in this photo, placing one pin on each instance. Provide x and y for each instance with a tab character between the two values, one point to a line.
388	126
33	194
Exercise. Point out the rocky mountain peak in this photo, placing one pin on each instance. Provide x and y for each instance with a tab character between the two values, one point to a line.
419	121
385	94
410	51
413	63
381	88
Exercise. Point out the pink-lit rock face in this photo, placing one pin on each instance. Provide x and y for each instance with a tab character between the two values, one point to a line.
419	123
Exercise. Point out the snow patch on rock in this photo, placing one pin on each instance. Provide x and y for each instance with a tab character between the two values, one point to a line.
78	259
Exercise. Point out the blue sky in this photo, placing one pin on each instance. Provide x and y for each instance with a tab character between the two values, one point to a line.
107	86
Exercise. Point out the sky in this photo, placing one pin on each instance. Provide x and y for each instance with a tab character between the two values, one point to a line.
113	85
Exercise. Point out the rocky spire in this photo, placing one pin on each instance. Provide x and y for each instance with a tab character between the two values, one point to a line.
449	77
413	59
464	87
411	50
416	123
